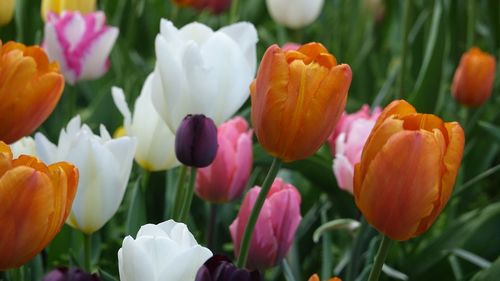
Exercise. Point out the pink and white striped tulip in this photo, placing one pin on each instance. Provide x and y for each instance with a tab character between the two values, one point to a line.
80	43
347	142
275	228
225	179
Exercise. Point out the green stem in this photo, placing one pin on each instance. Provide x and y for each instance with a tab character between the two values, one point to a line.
380	258
404	48
145	180
211	226
233	13
326	261
179	193
357	247
87	248
188	197
471	22
247	235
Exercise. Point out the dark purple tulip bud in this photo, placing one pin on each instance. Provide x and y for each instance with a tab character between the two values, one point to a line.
196	141
220	268
70	274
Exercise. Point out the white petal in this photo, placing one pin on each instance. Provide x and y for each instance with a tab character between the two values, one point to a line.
45	150
121	104
95	58
245	35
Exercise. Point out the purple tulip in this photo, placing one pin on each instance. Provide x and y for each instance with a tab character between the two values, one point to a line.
220	268
196	141
70	274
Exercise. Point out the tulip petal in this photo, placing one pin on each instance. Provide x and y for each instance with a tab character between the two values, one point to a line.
408	198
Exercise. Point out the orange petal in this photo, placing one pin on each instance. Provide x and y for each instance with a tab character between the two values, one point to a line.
27	206
395	200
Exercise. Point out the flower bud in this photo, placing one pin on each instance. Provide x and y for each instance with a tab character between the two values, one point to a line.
70	274
473	80
220	268
196	141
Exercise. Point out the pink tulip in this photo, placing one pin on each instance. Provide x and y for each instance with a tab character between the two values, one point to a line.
81	44
347	141
290	46
225	179
276	226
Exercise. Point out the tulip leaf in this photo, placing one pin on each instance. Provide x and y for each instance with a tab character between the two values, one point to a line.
471	257
338	224
136	215
105	276
393	273
489	274
491	129
424	95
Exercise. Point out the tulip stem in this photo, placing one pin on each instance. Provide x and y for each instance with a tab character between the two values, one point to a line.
233	12
247	235
471	23
404	48
188	197
179	193
211	226
380	258
87	257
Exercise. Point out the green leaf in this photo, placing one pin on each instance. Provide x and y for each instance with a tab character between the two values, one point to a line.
338	224
136	215
471	257
489	274
491	129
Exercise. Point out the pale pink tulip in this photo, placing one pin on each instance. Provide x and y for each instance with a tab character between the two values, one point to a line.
80	43
225	179
290	46
276	226
347	141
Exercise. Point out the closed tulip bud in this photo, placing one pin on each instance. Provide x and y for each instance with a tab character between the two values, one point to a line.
315	277
70	274
29	89
6	11
58	6
155	141
220	268
104	165
225	179
275	228
163	252
36	200
347	141
215	6
407	170
294	13
196	141
473	80
82	57
297	99
193	66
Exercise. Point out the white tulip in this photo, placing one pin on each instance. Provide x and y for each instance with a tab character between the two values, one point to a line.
26	146
155	141
294	13
163	252
201	71
104	165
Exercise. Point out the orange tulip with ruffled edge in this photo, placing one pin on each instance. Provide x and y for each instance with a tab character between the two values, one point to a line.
297	99
407	170
30	87
473	79
36	200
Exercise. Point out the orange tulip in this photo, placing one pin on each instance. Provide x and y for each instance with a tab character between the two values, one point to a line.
297	98
407	170
30	88
473	80
36	200
315	277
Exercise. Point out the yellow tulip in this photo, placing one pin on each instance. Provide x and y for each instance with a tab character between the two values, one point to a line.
57	6
6	11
